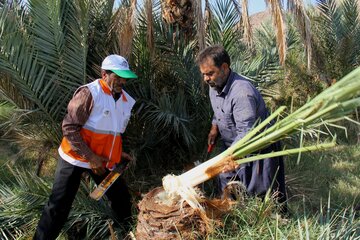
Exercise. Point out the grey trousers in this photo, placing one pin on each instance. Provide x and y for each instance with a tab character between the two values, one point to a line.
258	176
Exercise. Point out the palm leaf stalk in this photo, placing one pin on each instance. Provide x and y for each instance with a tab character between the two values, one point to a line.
333	103
303	22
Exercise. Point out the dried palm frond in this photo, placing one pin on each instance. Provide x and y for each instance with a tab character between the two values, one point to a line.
278	20
248	37
8	92
125	21
303	22
207	15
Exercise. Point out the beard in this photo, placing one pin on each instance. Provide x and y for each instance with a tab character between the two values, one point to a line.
212	84
116	87
217	85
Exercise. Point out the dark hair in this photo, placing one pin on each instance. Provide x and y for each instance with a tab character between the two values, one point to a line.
217	53
108	71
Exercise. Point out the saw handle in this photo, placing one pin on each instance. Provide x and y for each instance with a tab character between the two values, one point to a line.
122	166
210	148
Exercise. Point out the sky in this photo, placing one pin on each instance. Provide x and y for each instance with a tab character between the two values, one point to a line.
254	5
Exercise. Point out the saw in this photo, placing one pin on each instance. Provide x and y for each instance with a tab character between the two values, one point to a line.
101	189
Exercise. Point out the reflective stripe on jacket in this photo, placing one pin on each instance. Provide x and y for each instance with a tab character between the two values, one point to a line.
102	131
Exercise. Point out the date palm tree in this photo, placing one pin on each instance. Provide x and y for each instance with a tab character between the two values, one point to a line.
336	29
42	57
180	13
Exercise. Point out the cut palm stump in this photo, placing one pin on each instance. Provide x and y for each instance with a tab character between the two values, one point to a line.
162	217
179	211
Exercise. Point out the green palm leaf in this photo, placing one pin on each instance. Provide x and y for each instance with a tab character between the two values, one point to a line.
337	33
223	27
22	198
45	58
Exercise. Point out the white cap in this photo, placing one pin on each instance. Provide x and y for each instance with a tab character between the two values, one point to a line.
118	65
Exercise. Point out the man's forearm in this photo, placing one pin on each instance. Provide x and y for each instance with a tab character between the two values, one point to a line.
79	110
79	146
213	134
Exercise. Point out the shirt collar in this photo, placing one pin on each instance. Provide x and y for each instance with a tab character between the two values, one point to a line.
105	87
107	90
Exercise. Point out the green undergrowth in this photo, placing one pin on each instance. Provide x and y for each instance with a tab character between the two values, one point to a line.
320	174
256	221
323	199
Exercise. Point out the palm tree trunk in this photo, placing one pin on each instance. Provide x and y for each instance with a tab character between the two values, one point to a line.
150	26
200	26
179	14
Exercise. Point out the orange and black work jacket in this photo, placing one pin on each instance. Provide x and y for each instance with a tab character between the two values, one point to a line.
102	130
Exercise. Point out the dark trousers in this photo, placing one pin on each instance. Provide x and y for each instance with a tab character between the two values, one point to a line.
259	176
66	184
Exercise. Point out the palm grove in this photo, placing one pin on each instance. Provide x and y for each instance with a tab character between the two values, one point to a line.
49	48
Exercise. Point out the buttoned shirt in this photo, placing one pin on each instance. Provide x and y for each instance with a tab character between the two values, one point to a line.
236	108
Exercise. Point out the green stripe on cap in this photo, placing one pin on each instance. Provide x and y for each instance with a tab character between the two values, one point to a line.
125	73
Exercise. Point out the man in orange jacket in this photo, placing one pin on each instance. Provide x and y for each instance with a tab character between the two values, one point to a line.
97	115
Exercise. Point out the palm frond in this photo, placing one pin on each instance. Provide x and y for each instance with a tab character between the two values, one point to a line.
24	195
278	20
303	22
262	66
337	33
170	114
222	29
248	36
45	58
22	200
